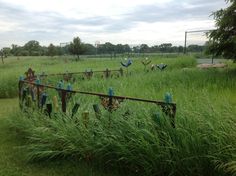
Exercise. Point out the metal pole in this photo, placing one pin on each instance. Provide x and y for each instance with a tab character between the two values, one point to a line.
196	31
63	100
185	42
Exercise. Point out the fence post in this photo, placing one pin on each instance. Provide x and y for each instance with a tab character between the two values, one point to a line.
121	72
20	85
107	73
37	89
63	100
110	93
170	110
173	116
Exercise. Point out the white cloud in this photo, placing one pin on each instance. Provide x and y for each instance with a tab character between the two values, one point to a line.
117	21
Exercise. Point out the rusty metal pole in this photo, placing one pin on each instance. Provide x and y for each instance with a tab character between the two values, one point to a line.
63	100
173	115
121	72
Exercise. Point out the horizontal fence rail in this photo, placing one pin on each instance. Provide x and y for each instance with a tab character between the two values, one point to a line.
87	74
110	102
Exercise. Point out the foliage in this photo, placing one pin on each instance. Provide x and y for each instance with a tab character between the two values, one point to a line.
223	39
4	52
33	48
76	47
52	50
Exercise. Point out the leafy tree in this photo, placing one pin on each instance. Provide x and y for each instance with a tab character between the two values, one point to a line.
24	52
4	52
155	49
52	50
14	49
109	48
223	40
76	47
2	56
195	48
119	48
144	48
127	48
165	47
33	48
89	49
180	49
136	49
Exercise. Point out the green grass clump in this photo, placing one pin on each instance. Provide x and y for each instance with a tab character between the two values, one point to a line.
201	140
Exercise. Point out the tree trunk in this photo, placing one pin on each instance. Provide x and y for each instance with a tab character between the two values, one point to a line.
2	60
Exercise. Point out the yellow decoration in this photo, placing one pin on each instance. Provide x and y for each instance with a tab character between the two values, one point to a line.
55	104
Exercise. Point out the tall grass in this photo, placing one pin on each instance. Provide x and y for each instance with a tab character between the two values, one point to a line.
203	142
13	68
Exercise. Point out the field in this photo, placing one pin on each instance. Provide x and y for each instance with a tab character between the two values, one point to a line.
203	142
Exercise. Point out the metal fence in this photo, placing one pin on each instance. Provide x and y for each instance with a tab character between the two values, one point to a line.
30	89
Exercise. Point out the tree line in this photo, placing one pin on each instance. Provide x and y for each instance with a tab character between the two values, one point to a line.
77	47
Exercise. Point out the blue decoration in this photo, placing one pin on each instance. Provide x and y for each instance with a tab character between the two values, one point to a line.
168	97
43	99
161	66
60	85
37	81
110	92
127	64
69	87
21	78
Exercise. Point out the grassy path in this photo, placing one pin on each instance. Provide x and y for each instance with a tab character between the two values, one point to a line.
12	161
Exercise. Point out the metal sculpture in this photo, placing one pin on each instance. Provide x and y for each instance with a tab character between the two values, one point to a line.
161	66
127	64
146	62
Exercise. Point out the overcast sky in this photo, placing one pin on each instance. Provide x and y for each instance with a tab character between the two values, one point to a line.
117	21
